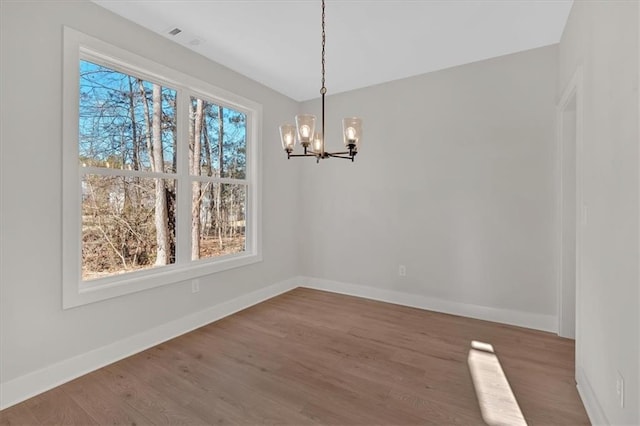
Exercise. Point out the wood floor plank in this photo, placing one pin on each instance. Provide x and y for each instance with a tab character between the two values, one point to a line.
211	406
292	380
144	398
246	387
55	407
101	404
18	415
309	357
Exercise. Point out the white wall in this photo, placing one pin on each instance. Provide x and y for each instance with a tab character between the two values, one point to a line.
603	38
455	180
34	331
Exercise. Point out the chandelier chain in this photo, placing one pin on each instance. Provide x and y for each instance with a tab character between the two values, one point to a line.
323	89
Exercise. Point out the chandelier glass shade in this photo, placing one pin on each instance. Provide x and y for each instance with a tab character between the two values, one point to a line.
312	139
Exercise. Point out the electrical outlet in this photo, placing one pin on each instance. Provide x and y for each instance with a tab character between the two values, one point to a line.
195	285
402	271
620	389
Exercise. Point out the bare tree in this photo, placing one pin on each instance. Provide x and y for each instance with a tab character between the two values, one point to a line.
147	122
134	129
195	170
220	173
161	213
210	188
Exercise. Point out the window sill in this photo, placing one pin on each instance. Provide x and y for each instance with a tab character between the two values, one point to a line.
106	288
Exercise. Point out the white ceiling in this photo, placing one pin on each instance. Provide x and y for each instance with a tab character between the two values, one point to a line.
277	42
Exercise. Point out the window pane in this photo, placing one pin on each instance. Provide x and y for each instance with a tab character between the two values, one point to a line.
218	219
125	122
209	125
128	223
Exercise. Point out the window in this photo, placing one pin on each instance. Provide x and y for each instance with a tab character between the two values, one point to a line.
217	162
127	153
160	174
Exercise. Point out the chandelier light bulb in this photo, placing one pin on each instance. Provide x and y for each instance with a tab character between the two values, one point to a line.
306	124
318	143
351	134
287	135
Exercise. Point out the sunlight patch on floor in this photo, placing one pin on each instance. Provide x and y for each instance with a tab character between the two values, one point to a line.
497	402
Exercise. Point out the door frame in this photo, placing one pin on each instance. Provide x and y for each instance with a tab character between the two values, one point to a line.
573	90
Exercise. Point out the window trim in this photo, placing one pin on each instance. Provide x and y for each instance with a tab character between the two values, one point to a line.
75	292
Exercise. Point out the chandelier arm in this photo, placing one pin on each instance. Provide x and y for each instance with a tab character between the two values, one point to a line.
347	157
302	155
348	154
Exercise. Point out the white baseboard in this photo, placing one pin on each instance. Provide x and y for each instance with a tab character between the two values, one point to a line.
589	400
31	384
505	316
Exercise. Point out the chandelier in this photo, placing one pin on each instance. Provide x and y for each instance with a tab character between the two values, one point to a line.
312	141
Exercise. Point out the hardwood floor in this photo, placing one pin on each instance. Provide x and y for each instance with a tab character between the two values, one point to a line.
311	357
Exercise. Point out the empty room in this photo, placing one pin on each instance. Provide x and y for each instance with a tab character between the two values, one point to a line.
319	212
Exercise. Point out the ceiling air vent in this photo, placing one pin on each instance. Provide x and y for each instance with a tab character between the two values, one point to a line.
183	37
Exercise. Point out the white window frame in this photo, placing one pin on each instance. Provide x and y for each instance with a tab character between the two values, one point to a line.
75	291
